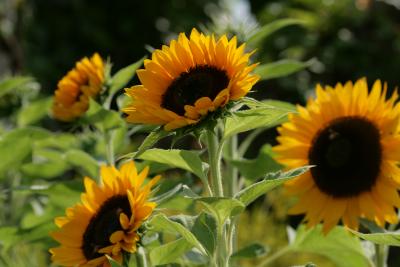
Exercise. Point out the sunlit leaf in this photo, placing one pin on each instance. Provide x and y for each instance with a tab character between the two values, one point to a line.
270	28
84	161
44	170
205	230
177	203
123	76
272	180
19	148
102	118
161	223
62	141
18	143
8	236
183	159
34	111
37	233
149	142
64	194
281	68
10	84
46	163
270	103
338	245
170	252
221	207
387	238
246	120
167	195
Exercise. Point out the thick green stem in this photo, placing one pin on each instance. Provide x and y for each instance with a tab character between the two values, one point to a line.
232	181
380	257
231	171
141	259
221	257
108	139
222	248
232	236
214	155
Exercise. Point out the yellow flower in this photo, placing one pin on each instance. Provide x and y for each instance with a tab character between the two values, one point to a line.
350	136
107	219
186	80
71	99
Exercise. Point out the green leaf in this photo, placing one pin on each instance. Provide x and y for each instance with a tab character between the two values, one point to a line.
103	119
47	163
205	230
272	180
167	195
35	133
251	251
256	168
112	262
371	226
62	141
161	223
270	28
170	252
387	238
19	148
8	236
34	111
246	120
338	245
270	103
150	141
37	233
221	207
177	203
44	170
123	76
281	68
63	195
18	143
83	160
183	159
10	84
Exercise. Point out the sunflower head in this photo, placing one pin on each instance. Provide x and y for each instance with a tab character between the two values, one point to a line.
350	136
71	98
186	80
107	220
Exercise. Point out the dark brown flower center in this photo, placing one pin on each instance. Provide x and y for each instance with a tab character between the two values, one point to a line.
347	154
200	81
103	225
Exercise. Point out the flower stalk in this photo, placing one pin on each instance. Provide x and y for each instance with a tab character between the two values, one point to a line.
214	155
108	140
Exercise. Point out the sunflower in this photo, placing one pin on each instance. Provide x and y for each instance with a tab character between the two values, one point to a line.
71	99
349	135
186	80
107	220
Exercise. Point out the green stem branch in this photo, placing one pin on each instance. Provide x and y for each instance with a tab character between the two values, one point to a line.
108	139
380	256
214	155
231	172
141	259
